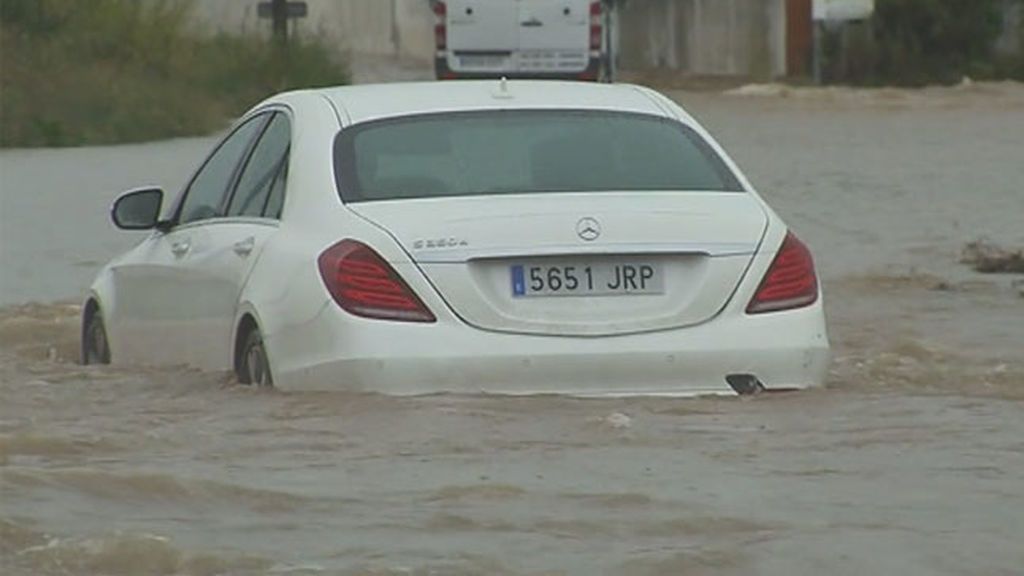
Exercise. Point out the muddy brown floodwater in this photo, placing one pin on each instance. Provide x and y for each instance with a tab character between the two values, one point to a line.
910	461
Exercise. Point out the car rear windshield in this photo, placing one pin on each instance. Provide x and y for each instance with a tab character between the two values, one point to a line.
524	152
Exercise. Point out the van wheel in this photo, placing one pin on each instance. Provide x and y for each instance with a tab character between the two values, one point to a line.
253	367
95	346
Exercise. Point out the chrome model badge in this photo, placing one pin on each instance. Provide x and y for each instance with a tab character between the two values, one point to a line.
588	229
439	243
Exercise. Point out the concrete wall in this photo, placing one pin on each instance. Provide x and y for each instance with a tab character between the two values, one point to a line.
401	28
714	37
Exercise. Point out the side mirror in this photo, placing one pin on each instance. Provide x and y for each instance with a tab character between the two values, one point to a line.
138	209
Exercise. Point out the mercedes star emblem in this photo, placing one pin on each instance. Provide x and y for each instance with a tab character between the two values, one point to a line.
588	229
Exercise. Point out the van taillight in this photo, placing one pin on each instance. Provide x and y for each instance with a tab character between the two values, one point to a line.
596	26
790	282
364	284
440	25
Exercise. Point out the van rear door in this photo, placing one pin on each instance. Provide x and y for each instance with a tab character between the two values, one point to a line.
517	36
554	36
483	35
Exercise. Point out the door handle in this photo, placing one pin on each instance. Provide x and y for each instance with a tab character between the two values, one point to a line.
179	249
244	247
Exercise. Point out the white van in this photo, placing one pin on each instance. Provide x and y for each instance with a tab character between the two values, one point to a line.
523	39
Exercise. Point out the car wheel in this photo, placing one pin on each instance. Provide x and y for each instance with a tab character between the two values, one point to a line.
95	346
253	367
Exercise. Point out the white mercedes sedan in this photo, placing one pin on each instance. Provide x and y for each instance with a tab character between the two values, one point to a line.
511	237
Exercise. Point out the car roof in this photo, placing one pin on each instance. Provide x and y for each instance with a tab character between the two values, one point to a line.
363	103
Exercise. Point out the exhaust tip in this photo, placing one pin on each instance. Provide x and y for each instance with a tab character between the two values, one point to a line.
745	384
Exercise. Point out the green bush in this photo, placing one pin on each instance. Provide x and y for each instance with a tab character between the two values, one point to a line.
917	42
943	40
108	71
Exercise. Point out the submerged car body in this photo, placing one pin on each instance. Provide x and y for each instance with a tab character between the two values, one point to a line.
483	236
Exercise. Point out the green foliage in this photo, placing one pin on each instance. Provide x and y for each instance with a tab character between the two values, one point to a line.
917	42
942	40
107	71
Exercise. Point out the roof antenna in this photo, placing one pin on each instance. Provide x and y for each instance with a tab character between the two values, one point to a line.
502	92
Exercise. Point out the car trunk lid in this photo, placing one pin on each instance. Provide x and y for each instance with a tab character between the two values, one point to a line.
478	252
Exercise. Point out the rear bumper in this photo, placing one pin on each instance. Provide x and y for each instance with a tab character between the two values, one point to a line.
443	71
339	352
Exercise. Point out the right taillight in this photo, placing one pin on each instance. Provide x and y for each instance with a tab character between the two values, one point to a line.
440	25
790	282
364	284
596	26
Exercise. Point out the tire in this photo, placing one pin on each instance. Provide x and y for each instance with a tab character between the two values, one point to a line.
95	345
253	366
606	76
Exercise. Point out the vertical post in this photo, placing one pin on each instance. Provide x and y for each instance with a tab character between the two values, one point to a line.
279	17
816	55
672	53
396	35
611	39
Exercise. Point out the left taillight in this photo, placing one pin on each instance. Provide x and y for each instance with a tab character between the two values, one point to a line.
791	281
364	284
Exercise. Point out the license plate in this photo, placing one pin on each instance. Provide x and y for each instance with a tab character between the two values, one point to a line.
482	61
604	279
538	61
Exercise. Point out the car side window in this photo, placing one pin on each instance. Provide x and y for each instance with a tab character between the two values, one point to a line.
262	177
276	200
206	194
